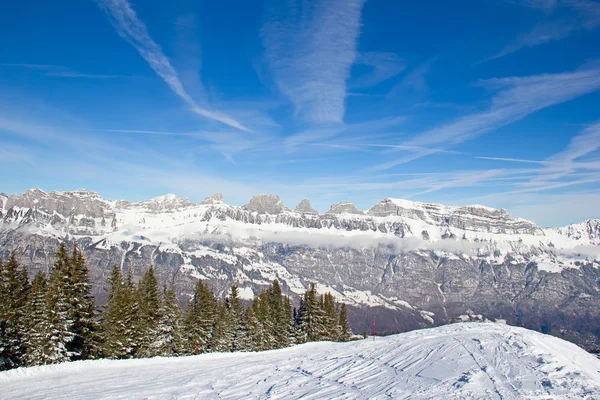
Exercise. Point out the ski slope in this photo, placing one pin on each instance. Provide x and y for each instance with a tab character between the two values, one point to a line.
468	360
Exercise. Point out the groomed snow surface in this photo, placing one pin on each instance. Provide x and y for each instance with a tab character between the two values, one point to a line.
466	361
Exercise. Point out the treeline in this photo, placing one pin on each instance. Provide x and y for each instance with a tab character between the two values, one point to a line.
53	319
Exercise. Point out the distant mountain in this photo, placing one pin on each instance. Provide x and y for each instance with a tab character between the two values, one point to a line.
410	264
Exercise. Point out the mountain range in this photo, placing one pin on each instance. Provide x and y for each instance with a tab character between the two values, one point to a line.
409	264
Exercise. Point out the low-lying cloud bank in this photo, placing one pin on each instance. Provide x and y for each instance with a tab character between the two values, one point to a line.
354	240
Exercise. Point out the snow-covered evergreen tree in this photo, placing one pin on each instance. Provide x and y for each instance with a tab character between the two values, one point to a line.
331	318
166	333
238	324
291	327
199	320
86	343
311	316
14	287
39	336
259	324
222	336
344	326
120	336
279	318
60	306
148	311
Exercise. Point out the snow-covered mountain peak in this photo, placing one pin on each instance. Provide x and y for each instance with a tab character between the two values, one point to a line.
586	232
304	207
471	218
343	207
3	200
216	198
266	204
168	202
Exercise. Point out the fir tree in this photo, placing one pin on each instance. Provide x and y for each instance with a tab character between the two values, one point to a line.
331	318
199	319
114	344
165	335
40	332
311	316
279	318
259	324
61	310
265	316
86	343
14	287
289	316
148	311
119	323
344	326
222	332
239	328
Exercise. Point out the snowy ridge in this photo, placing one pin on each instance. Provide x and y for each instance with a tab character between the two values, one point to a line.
400	224
458	361
426	260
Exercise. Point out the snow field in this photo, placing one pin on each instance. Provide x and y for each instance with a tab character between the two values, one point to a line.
458	361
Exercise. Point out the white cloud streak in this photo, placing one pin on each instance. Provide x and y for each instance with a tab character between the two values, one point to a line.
384	66
59	71
129	27
566	18
518	97
310	50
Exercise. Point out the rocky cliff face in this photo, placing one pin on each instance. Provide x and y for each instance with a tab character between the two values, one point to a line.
304	207
410	264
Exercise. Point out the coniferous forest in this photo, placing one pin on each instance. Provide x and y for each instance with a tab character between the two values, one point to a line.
53	319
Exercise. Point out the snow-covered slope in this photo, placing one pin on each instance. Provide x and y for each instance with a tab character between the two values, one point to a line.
421	263
459	361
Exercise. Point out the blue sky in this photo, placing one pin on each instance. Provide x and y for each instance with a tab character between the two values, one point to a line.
492	102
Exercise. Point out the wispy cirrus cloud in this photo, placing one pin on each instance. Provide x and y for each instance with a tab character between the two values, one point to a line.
564	18
348	131
227	143
129	27
59	71
415	80
384	65
517	98
588	141
310	49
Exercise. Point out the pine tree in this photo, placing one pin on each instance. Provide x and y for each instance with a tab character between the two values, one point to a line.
134	332
260	324
311	316
165	335
39	335
120	333
255	328
86	343
278	316
290	321
222	332
300	335
239	328
114	342
148	310
199	320
60	306
344	326
331	318
14	287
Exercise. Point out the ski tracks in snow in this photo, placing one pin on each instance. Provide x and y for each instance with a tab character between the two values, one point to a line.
459	361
